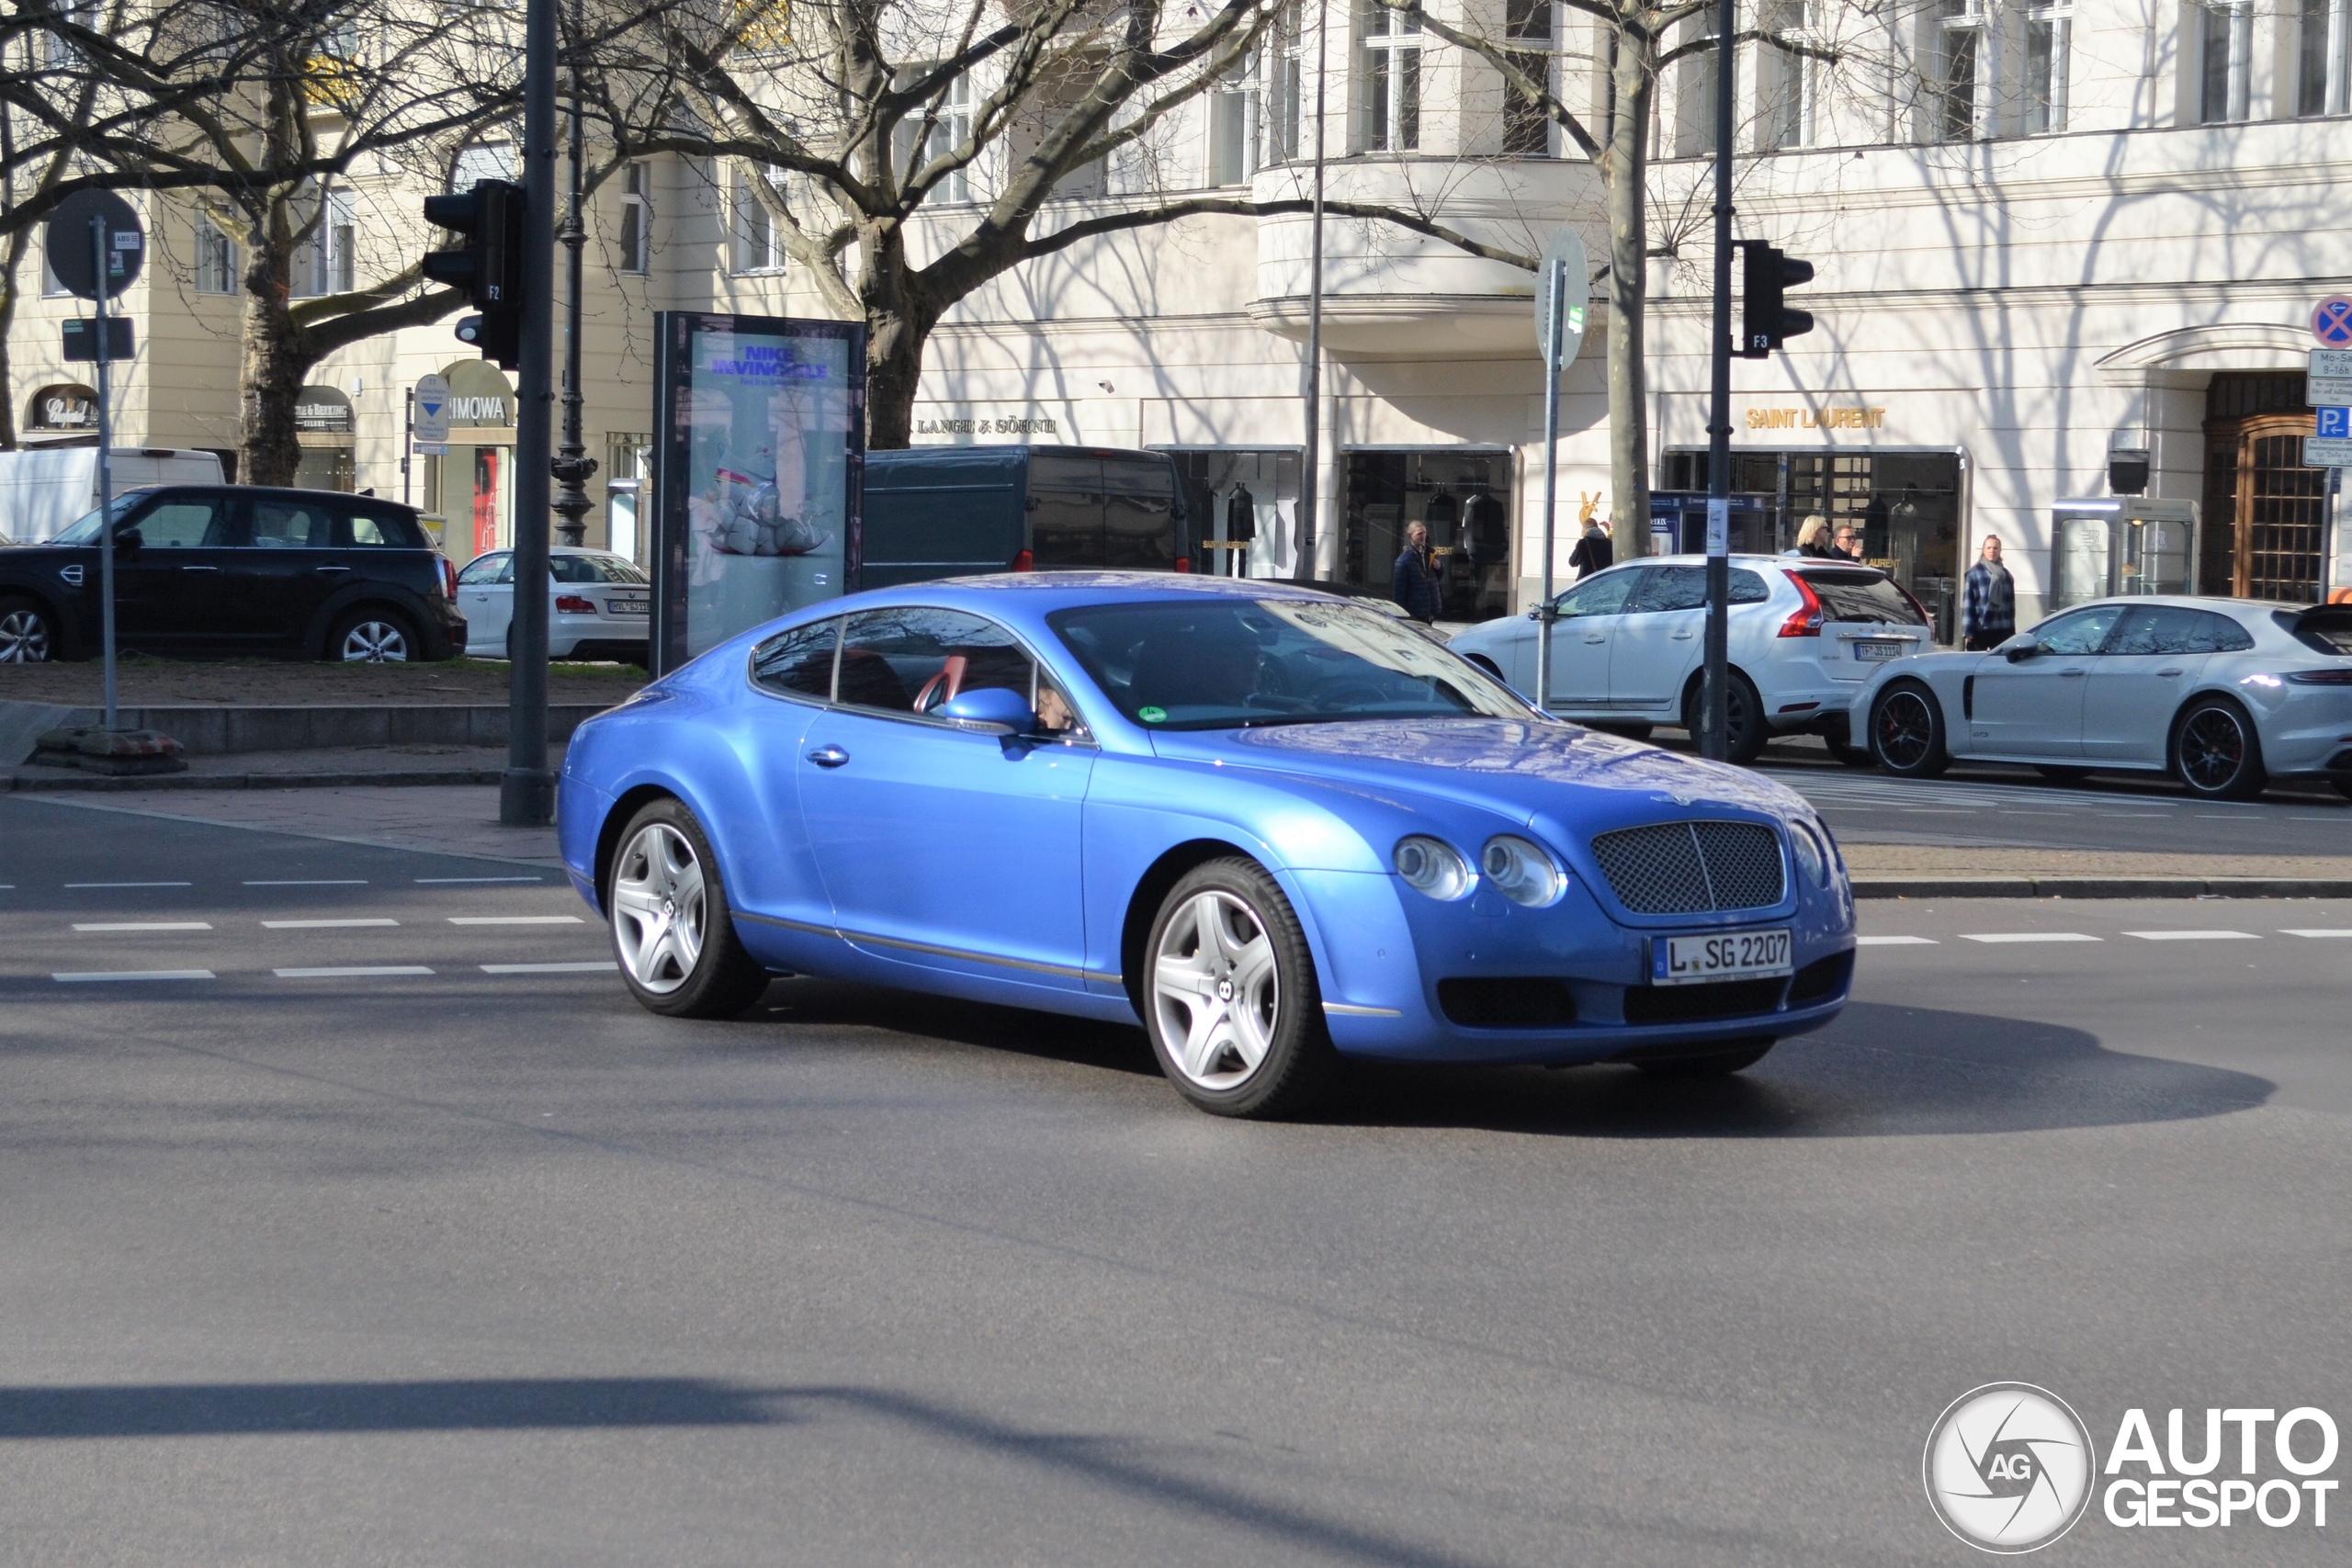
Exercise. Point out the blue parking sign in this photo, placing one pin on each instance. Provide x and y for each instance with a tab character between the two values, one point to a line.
2335	421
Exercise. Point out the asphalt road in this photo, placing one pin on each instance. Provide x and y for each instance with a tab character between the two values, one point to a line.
486	1266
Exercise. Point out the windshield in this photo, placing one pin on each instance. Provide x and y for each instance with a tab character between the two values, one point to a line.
83	530
1226	664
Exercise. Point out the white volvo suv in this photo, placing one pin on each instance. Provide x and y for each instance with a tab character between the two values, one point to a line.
1628	645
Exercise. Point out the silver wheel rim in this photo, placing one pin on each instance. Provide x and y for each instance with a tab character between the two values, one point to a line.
1216	990
658	909
375	642
24	637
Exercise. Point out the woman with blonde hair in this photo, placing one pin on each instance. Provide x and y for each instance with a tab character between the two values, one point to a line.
1812	539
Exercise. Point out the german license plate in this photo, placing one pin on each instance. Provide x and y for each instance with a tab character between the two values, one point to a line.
620	606
1877	652
1730	955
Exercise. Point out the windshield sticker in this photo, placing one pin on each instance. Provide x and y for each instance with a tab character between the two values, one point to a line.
1152	715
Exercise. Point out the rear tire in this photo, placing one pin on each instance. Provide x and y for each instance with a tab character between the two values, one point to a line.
1739	1056
28	632
1745	729
1907	732
666	905
1839	738
1229	997
373	634
2216	752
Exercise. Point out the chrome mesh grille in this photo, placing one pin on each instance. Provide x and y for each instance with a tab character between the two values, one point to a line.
1688	868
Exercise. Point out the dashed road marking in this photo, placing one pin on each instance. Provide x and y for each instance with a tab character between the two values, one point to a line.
2028	936
2320	932
131	885
600	966
448	881
351	971
142	925
102	975
516	920
323	925
1894	941
2194	936
316	882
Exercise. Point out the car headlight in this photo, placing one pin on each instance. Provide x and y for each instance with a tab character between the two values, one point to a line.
1814	857
1432	866
1522	872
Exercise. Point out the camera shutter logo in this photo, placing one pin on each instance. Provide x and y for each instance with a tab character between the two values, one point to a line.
2009	1467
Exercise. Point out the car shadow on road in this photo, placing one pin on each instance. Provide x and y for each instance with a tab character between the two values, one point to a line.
1052	1036
1879	1071
431	1404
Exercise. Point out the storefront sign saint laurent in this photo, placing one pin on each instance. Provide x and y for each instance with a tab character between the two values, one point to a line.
1816	419
972	424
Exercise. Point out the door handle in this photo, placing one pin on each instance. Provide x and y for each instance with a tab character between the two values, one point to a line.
829	756
1593	641
2072	674
1684	637
199	568
330	569
2167	671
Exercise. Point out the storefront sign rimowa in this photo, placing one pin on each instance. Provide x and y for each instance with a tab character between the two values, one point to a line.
1812	419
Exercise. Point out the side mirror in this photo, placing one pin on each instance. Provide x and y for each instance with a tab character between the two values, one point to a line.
129	541
992	708
2019	648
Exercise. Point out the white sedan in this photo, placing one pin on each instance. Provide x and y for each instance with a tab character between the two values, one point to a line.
2222	693
599	605
1627	646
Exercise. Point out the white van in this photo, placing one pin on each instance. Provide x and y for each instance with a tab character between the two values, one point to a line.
43	489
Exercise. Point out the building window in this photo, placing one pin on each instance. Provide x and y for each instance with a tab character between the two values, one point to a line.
1959	69
324	259
58	53
1253	113
1786	77
2320	86
636	219
758	248
484	160
2049	32
951	127
1694	107
1528	26
1392	72
215	258
2225	38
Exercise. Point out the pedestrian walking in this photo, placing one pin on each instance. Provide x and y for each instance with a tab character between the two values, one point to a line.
1812	538
1989	616
1593	551
1416	584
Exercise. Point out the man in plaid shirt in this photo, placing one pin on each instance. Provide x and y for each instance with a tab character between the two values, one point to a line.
1989	616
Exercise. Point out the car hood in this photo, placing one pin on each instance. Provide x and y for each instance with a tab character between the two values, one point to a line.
1519	769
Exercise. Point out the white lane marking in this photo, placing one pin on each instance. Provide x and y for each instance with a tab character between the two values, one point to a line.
351	971
322	925
134	975
316	882
2194	936
142	925
516	920
2320	932
1894	941
443	881
2027	936
599	968
131	885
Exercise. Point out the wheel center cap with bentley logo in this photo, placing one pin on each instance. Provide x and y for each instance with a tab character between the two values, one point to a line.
1225	990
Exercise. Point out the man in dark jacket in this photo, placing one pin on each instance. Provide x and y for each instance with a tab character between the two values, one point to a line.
1988	615
1593	551
1417	587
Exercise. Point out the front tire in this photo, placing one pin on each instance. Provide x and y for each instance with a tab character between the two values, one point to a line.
28	633
373	636
1745	731
1907	732
2215	751
672	929
1230	998
1737	1057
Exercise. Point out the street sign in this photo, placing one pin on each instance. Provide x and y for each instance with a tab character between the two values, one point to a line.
433	448
2330	364
2327	452
81	340
2332	321
2327	392
1563	256
2334	423
432	427
72	257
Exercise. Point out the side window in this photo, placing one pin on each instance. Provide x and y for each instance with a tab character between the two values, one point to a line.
383	530
482	569
289	525
915	660
799	662
1601	596
182	524
2221	634
2081	631
1671	588
2163	628
1746	588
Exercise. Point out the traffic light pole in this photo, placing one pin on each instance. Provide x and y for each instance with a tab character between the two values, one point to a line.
1713	736
526	792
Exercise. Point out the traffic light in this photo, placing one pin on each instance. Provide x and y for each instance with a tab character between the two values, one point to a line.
1764	321
489	270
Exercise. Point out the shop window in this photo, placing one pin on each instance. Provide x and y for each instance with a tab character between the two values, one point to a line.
2049	38
2225	57
1241	511
2320	57
2265	514
637	219
1463	499
1391	65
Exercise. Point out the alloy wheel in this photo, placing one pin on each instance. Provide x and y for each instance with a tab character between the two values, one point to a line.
1217	989
2212	749
658	909
24	637
1905	730
374	642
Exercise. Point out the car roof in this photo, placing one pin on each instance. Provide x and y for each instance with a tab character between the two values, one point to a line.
2240	608
289	491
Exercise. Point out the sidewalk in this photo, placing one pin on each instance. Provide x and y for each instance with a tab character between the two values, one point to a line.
458	820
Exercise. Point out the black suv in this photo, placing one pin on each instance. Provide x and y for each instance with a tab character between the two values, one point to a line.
230	570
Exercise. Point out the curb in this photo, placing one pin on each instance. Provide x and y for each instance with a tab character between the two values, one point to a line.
2101	888
82	782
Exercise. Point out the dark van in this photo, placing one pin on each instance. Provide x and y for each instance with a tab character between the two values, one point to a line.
957	511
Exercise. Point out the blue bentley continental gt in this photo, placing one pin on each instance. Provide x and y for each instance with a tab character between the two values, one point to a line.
1279	828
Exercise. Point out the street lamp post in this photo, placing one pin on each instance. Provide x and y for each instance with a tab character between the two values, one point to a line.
571	465
1310	489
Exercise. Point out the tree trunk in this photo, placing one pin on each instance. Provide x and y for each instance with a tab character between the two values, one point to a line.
896	323
1628	175
18	243
269	382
